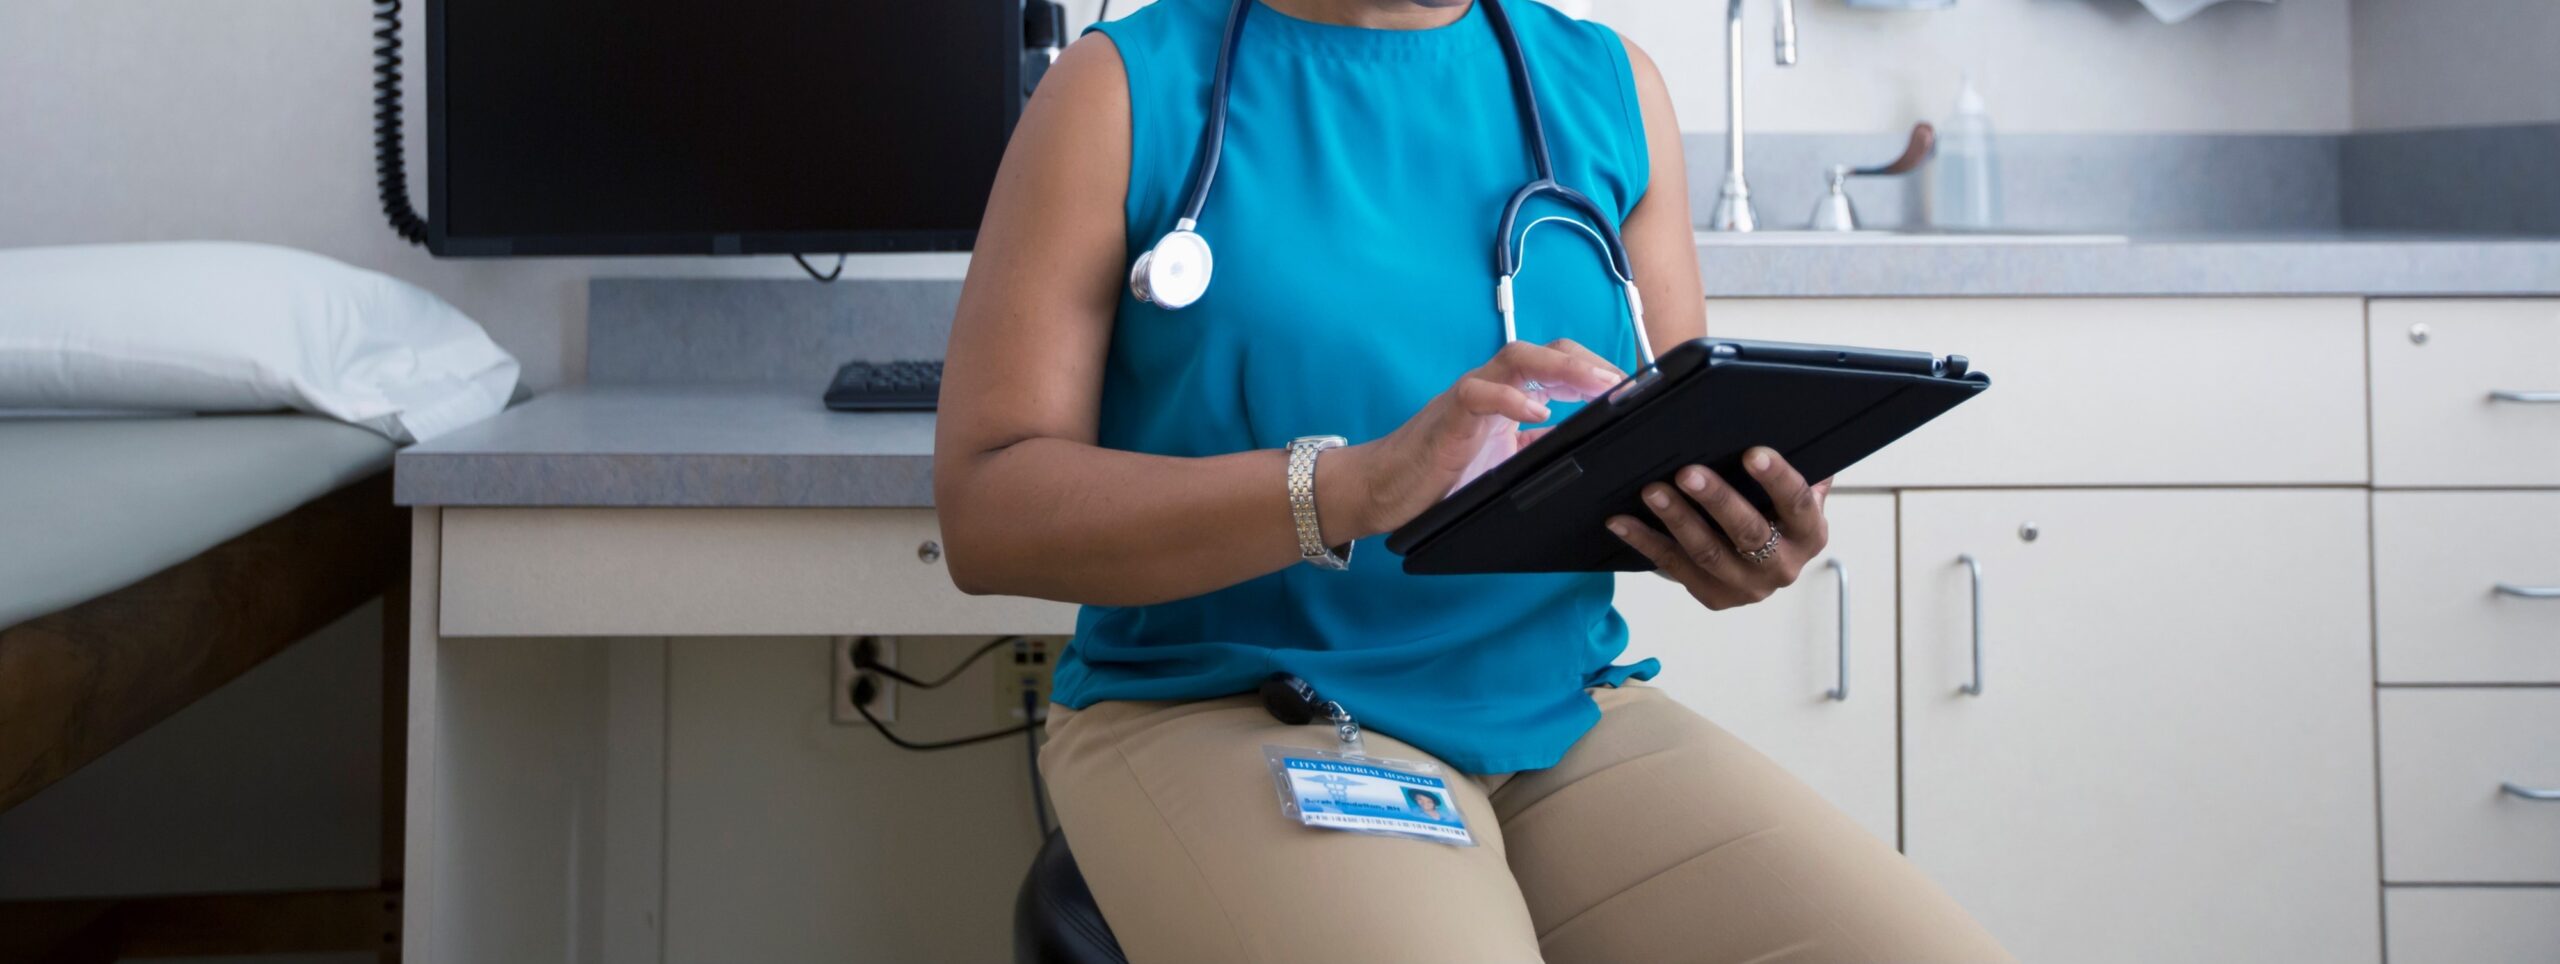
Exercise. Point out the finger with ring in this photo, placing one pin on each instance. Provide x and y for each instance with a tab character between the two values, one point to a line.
1768	550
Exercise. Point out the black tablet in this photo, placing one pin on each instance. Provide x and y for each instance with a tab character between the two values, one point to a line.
1702	403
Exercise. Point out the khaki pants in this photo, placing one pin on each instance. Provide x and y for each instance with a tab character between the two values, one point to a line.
1658	838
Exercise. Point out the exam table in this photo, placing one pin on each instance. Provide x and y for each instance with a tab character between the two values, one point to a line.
145	562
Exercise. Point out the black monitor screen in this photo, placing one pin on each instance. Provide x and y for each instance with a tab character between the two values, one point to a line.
745	126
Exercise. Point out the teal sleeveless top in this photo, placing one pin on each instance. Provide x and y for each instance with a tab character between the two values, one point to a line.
1353	220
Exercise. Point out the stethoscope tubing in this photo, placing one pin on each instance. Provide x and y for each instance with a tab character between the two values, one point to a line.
1509	241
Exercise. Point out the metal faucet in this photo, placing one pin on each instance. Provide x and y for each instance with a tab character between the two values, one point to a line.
1733	204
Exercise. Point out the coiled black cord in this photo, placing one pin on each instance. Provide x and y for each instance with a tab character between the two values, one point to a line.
390	162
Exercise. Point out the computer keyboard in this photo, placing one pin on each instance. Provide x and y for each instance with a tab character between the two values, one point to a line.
890	386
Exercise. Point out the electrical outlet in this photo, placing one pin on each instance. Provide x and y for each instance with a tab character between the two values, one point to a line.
1024	668
884	702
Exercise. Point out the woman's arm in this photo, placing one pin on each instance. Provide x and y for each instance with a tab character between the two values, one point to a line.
1031	506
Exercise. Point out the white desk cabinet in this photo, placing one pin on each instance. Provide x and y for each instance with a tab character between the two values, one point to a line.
2171	755
1764	671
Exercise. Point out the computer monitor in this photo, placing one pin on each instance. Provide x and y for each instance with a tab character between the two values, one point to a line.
604	127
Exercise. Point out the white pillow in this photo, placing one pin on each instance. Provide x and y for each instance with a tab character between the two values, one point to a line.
213	326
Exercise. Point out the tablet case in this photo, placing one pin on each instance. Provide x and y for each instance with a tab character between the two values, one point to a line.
1704	402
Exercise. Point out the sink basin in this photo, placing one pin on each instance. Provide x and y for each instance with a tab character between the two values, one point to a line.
1898	236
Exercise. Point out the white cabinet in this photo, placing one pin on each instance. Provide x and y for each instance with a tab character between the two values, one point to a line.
2113	391
2474	925
2466	393
2171	755
1763	672
2448	757
2467	586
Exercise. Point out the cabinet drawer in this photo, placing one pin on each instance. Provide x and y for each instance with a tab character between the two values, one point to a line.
2445	755
2152	391
2445	925
2438	560
711	572
2435	420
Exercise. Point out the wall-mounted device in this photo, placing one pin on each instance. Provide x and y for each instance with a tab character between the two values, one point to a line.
587	127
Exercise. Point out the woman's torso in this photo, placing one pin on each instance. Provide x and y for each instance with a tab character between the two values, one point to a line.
1353	220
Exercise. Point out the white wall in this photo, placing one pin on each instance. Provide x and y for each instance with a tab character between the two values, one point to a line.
2451	63
2044	65
154	119
791	838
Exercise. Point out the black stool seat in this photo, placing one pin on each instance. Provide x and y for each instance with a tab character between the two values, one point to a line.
1054	918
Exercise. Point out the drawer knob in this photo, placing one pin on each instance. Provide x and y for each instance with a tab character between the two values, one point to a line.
2531	793
2526	398
929	553
2527	592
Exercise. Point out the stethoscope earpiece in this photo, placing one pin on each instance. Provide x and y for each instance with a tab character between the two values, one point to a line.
1175	272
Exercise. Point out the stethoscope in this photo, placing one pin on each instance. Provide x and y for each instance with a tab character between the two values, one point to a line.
1175	272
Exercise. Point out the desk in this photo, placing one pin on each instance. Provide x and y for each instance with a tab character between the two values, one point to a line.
565	553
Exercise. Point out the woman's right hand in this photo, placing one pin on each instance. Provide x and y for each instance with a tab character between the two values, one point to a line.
1382	484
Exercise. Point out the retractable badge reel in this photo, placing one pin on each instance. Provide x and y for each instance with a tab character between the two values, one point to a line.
1345	788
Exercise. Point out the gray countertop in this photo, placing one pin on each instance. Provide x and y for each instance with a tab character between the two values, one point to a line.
1801	265
652	433
676	445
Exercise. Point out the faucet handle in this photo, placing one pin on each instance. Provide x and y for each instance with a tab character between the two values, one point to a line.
1924	142
1833	212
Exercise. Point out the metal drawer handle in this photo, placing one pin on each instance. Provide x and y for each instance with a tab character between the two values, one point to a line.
1973	567
2527	592
2529	398
2531	793
1841	692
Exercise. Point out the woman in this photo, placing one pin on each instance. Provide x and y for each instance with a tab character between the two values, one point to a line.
1100	447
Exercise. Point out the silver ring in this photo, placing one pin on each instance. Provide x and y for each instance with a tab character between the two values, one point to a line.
1767	549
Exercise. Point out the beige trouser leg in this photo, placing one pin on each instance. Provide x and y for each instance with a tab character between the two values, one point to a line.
1658	838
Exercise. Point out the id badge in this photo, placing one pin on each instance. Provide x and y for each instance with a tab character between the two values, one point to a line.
1363	794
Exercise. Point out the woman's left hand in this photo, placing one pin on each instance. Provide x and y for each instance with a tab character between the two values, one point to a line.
1721	572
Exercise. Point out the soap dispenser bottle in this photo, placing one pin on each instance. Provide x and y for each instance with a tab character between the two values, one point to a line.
1967	179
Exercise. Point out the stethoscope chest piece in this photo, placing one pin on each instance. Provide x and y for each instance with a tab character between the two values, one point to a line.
1175	272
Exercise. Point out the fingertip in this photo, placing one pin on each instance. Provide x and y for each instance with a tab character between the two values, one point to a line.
1620	526
1760	458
